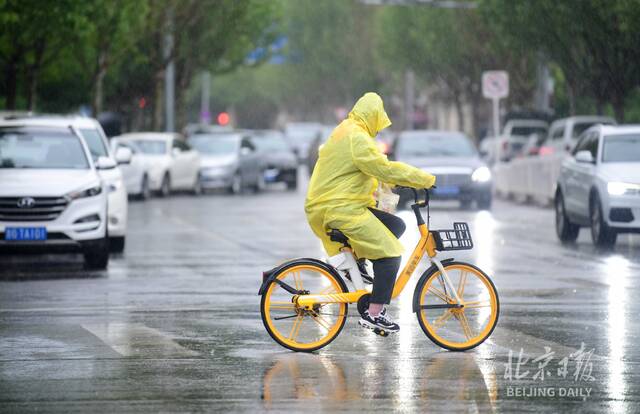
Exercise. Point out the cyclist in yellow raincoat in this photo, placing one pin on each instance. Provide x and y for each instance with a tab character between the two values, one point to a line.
340	196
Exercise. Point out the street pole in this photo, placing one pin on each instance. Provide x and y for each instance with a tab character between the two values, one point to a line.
169	76
205	112
409	98
496	127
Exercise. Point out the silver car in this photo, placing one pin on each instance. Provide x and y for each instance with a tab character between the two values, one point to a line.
228	160
599	185
460	173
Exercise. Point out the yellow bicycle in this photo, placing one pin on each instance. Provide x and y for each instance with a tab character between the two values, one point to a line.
304	301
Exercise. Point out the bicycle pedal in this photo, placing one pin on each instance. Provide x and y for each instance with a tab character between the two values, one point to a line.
381	332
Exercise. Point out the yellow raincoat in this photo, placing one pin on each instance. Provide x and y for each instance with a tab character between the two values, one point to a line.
345	177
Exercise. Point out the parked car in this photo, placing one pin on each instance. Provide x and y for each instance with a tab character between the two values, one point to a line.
91	131
453	159
279	163
134	173
300	135
525	127
228	160
52	196
315	145
564	133
599	185
172	164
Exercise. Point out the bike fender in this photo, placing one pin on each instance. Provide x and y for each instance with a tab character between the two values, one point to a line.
423	279
269	275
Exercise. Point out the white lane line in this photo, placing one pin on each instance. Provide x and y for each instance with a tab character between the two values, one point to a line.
136	340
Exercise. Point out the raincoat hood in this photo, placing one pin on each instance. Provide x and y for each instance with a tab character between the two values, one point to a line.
369	112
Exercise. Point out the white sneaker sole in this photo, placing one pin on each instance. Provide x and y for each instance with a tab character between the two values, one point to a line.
366	324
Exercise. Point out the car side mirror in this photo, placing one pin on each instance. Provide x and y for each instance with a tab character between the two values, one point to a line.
585	157
124	155
105	163
175	152
244	151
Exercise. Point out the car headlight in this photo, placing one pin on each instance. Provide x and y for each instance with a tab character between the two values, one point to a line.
481	175
85	192
618	188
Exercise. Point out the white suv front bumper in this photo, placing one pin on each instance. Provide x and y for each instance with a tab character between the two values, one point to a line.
82	220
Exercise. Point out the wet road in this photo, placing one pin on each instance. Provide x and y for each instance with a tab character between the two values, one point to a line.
174	324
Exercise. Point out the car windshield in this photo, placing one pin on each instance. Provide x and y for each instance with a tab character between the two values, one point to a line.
152	146
435	146
215	144
579	128
528	130
94	142
274	143
621	148
41	148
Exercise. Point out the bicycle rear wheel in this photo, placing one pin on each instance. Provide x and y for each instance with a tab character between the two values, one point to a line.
296	328
451	327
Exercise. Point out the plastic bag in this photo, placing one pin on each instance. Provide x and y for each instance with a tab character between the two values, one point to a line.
387	199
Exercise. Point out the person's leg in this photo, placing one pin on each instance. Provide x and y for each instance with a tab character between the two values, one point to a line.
385	272
392	222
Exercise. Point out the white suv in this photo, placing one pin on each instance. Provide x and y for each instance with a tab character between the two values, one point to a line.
52	197
599	185
91	131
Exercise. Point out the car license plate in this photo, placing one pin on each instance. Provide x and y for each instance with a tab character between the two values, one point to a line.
271	174
447	190
25	233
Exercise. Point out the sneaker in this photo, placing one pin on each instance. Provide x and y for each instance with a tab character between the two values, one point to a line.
382	321
368	280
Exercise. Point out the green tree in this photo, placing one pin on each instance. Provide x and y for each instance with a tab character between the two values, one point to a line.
449	49
32	35
594	42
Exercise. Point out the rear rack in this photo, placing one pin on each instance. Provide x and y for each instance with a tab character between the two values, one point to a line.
457	239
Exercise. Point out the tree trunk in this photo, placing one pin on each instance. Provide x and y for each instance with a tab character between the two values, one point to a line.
11	81
457	100
33	88
617	101
158	101
572	99
98	82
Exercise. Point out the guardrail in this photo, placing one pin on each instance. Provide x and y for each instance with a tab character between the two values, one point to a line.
531	178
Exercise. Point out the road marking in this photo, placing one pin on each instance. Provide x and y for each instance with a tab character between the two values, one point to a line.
136	340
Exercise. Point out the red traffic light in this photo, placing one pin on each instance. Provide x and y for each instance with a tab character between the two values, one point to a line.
223	118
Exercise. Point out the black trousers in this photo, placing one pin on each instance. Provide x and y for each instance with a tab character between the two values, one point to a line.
385	270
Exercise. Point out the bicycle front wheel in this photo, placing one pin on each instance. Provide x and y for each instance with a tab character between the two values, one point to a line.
453	326
296	328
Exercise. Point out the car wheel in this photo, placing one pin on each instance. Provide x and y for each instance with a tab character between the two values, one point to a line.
116	244
601	234
465	204
165	186
145	191
197	187
260	183
292	184
484	202
236	184
96	257
565	229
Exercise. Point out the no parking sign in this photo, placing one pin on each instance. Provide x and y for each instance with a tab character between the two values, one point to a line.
495	84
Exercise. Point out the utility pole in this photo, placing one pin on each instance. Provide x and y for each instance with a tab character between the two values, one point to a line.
169	76
205	98
409	98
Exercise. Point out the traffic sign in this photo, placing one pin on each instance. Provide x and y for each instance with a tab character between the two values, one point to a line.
495	84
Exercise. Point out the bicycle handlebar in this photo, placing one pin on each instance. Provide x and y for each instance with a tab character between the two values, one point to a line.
415	195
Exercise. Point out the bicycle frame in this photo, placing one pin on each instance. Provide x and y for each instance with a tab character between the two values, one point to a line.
346	262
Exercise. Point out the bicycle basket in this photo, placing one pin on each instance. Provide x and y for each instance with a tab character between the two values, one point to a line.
457	239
